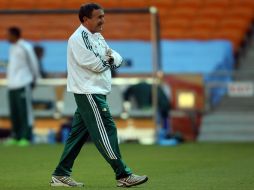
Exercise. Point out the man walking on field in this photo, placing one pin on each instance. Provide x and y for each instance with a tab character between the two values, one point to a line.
89	63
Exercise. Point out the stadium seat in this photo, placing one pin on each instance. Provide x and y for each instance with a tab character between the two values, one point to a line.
115	101
188	3
211	13
44	99
182	12
235	36
20	4
49	4
130	3
235	24
243	12
167	4
174	33
177	18
3	5
73	4
249	3
69	104
203	23
179	23
216	3
200	34
4	103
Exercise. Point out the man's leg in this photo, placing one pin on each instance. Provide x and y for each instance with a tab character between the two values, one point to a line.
25	114
74	143
13	99
96	116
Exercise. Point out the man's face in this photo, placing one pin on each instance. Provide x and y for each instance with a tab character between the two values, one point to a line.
11	38
95	23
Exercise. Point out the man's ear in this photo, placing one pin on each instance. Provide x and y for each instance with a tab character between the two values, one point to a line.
85	19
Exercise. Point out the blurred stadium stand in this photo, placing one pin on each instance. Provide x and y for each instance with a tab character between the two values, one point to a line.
199	38
232	119
115	100
4	107
69	104
190	16
44	101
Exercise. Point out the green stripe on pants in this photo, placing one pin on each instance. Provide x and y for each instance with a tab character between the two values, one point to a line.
93	118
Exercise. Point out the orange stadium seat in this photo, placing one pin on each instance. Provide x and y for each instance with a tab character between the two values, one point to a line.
182	12
249	3
73	4
244	12
13	20
32	34
200	34
208	12
204	23
216	3
3	5
235	24
174	33
161	3
188	3
20	4
179	19
132	4
181	23
49	4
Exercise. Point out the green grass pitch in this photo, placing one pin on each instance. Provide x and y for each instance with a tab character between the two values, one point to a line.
190	166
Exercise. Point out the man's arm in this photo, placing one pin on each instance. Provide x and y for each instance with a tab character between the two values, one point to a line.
86	57
116	58
33	62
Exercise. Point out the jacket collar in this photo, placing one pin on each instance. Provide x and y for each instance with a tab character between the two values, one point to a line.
82	27
20	41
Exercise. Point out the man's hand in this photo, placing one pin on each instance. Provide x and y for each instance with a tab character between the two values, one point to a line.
109	57
33	83
108	52
110	60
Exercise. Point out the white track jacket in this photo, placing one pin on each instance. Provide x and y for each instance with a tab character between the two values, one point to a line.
87	66
23	65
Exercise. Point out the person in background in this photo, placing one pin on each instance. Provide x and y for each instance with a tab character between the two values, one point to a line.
141	96
22	75
89	61
136	92
39	52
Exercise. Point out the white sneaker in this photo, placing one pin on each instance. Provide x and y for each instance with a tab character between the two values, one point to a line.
64	181
131	180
